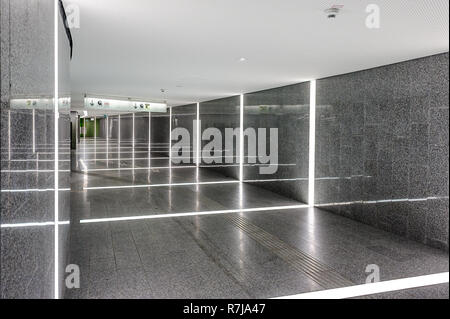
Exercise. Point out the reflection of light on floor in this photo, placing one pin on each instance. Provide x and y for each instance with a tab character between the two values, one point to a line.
374	288
197	180
187	214
399	200
311	229
241	195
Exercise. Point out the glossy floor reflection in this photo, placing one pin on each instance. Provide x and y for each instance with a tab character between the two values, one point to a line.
250	254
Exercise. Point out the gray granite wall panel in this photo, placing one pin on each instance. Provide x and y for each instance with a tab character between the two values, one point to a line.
141	127
27	264
382	147
286	109
221	114
160	133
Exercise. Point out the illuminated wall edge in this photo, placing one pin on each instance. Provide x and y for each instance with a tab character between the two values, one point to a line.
56	113
312	142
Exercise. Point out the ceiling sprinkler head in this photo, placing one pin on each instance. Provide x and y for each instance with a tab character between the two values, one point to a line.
163	90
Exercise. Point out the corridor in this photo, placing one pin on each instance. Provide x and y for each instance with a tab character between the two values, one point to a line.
224	149
144	229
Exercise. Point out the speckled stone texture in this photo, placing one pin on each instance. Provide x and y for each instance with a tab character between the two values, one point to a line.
27	59
221	114
382	147
287	109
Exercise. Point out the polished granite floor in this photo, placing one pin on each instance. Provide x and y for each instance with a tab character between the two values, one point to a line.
222	239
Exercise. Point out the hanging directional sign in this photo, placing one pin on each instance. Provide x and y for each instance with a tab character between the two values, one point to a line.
91	103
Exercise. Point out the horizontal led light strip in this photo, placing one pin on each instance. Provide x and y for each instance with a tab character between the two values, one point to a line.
25	225
34	160
85	169
33	171
161	185
34	190
275	180
115	152
166	158
187	214
132	169
374	288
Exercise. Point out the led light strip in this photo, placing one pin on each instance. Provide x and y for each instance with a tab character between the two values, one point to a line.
161	185
241	137
132	169
133	119
37	160
177	167
149	132
198	137
374	288
56	139
118	133
161	158
34	131
275	180
34	171
114	152
187	214
25	225
170	136
312	142
9	134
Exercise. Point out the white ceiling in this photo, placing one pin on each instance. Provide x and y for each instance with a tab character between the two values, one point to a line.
191	48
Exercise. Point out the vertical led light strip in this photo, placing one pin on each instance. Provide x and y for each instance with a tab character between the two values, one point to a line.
312	142
34	131
9	135
241	138
118	134
133	137
199	138
95	128
107	142
149	135
56	98
170	136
